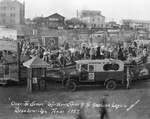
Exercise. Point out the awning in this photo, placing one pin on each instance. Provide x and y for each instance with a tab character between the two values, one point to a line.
36	62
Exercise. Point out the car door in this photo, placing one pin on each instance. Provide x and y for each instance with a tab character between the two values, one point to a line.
54	75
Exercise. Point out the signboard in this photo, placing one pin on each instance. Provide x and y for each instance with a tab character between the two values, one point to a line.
35	80
91	76
34	40
8	45
50	42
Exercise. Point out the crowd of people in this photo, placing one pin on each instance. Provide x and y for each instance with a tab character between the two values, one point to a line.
68	54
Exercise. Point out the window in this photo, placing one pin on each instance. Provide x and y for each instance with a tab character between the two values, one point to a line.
84	67
42	72
108	67
12	8
37	72
91	68
12	14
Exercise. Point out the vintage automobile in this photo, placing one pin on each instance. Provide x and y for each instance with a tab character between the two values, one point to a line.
105	72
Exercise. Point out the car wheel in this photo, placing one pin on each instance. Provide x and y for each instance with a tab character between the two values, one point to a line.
71	86
111	85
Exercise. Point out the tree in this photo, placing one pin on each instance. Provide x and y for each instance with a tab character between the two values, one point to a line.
38	21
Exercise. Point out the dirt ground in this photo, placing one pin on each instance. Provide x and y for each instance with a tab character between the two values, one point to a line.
57	103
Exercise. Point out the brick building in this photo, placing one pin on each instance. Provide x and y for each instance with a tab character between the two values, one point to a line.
12	12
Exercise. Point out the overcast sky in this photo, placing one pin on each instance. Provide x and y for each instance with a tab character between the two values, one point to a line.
111	9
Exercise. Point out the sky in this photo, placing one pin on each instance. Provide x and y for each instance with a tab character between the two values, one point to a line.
112	9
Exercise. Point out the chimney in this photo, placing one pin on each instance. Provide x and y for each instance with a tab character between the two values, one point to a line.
23	16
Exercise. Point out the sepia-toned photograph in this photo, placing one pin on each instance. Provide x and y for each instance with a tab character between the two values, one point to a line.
74	59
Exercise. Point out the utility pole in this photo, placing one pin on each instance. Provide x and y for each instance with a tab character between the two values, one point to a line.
18	62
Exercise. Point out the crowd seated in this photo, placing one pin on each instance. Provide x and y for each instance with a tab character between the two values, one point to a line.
133	53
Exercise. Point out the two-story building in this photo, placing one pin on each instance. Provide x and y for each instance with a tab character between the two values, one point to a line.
54	21
136	24
96	21
93	19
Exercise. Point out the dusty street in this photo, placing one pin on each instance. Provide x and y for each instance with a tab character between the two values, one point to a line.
57	103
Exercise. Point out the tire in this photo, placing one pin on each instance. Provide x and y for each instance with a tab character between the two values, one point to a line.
111	85
71	86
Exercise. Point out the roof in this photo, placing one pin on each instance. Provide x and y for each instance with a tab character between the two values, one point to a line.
36	62
12	1
97	61
9	59
114	31
75	21
142	32
56	14
99	32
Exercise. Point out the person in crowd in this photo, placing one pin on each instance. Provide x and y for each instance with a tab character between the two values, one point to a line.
102	54
45	55
120	54
87	51
92	53
144	55
106	53
98	52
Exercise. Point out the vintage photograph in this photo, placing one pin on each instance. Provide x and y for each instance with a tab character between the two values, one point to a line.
74	59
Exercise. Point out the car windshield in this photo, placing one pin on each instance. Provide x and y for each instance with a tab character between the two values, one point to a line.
84	67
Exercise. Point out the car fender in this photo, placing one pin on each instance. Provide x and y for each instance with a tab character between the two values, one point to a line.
73	81
108	80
